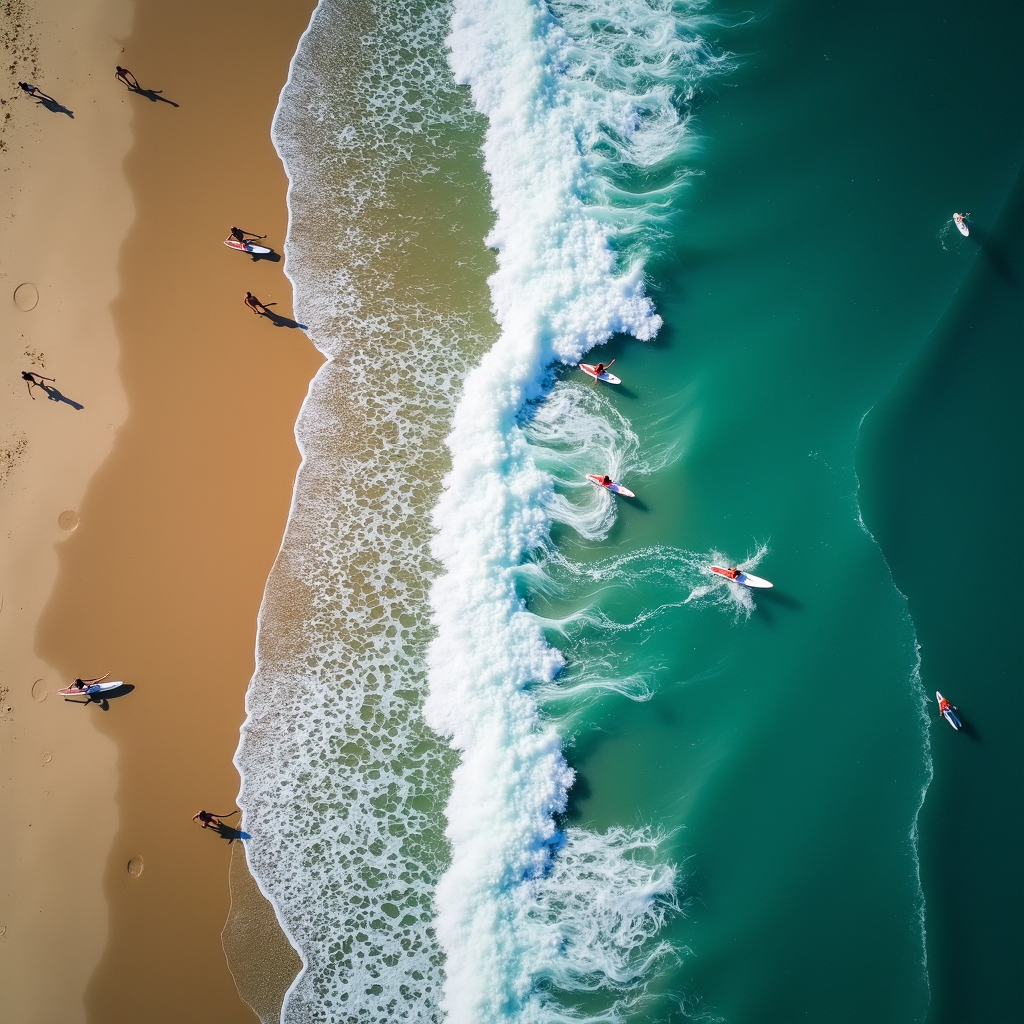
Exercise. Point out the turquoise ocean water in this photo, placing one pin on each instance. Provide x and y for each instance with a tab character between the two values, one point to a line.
512	752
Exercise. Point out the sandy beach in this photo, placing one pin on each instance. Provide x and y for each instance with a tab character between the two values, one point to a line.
138	529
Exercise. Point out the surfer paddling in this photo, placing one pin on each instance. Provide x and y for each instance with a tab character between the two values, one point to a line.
599	368
35	380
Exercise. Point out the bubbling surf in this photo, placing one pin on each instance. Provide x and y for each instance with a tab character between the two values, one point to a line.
586	105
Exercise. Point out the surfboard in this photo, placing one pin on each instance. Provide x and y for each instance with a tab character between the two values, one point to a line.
745	579
961	223
949	713
89	691
234	243
606	377
615	488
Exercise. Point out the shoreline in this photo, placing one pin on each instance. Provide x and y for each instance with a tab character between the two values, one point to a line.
181	505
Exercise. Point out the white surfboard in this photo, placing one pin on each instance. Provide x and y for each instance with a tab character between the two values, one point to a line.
614	487
234	243
960	220
744	579
605	377
91	689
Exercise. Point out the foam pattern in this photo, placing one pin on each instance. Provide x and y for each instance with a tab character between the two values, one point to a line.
586	104
343	785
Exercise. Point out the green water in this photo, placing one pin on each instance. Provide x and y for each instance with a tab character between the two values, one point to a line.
790	751
940	462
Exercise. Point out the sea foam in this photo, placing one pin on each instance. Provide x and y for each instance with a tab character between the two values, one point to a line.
586	105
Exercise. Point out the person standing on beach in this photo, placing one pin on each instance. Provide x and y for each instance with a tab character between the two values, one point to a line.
259	308
125	76
34	380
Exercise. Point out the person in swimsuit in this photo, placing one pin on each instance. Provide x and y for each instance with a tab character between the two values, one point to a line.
605	481
601	367
84	684
207	819
125	76
243	236
259	308
34	380
30	89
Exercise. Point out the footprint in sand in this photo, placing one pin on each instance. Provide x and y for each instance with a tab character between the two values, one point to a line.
135	866
68	520
26	297
39	691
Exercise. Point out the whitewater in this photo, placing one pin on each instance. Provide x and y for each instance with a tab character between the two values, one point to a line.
422	878
582	100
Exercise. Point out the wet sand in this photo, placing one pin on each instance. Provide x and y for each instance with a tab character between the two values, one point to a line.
179	469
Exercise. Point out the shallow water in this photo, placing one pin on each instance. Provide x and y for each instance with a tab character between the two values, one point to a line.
675	797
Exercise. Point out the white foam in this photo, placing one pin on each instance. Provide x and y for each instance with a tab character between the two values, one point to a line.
580	99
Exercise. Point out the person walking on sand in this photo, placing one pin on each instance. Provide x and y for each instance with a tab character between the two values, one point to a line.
124	75
30	89
242	236
34	380
208	820
259	308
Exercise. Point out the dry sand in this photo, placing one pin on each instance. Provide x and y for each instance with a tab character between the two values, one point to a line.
179	471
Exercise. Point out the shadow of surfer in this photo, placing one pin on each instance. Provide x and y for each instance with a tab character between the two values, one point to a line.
102	699
131	83
263	309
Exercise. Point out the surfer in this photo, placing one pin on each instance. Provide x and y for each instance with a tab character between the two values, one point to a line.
84	684
732	573
124	75
208	820
34	380
259	308
605	481
601	367
240	236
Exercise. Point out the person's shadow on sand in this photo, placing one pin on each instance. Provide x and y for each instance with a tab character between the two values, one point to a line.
153	95
229	833
55	396
53	105
281	321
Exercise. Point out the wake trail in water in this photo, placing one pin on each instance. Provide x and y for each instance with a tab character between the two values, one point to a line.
586	105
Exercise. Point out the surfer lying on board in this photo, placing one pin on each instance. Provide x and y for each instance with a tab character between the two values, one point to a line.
84	684
732	573
601	367
34	380
242	236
